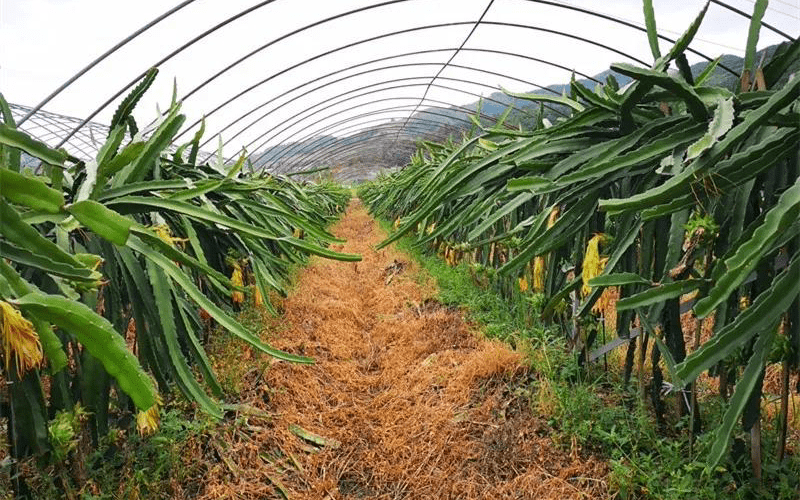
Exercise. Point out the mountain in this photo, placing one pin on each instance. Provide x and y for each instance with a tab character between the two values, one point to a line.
394	153
719	77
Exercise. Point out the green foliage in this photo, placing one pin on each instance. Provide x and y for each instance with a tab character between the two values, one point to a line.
152	465
64	431
126	254
592	410
633	164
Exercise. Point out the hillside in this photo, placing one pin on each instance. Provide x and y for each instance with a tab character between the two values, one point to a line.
390	153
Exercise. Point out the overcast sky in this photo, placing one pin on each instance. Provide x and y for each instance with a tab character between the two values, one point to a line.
45	42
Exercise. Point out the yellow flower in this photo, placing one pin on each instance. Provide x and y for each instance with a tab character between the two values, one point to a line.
593	265
538	262
523	284
163	231
552	219
538	274
236	279
20	339
744	302
257	298
147	421
601	306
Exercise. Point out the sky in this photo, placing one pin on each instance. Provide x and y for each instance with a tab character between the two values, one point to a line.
293	92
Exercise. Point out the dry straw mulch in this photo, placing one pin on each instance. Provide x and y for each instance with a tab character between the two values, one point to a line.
413	404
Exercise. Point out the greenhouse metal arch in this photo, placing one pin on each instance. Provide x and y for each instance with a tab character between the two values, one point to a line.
303	30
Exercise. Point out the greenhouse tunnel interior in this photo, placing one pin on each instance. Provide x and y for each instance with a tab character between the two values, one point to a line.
351	86
400	249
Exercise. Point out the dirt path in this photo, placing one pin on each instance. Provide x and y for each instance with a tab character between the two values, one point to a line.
413	403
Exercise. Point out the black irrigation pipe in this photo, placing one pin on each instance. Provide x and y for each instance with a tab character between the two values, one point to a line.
100	59
386	110
361	73
449	107
291	122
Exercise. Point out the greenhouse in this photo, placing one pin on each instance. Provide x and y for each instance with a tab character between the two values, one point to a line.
401	249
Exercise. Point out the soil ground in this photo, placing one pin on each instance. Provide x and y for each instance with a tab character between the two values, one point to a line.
406	399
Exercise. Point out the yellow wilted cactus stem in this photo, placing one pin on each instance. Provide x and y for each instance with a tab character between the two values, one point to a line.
147	421
236	278
19	339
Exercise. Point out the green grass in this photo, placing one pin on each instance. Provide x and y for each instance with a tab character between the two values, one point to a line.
149	467
123	464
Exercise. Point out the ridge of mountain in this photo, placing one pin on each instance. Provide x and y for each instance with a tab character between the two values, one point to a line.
489	109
